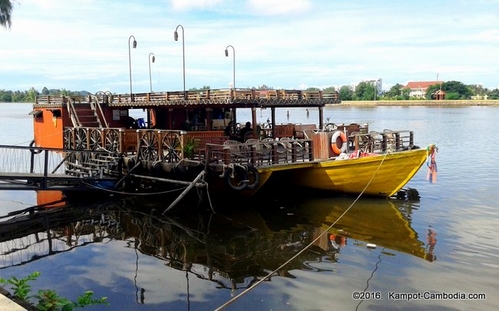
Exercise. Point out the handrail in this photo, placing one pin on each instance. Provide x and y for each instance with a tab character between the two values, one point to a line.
72	111
97	108
382	142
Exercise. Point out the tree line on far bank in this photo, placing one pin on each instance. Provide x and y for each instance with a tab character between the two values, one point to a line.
454	90
364	91
30	95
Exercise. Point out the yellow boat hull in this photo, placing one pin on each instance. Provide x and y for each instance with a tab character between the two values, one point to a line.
379	175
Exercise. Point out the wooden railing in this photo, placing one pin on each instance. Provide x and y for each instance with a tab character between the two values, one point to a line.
172	96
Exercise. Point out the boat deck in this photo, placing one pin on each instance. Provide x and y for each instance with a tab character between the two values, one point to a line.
237	98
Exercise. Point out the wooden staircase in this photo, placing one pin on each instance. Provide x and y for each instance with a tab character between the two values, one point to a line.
86	113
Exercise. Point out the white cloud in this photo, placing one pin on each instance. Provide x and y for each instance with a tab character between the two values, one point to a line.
279	7
195	4
278	43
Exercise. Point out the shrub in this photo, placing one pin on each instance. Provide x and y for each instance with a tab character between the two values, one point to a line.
49	300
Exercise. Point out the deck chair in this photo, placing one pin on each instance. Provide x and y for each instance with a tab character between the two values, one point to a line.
235	149
263	150
289	145
390	140
284	148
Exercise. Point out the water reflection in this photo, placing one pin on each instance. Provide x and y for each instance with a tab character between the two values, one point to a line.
235	246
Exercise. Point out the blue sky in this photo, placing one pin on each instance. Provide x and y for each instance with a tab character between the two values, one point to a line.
290	44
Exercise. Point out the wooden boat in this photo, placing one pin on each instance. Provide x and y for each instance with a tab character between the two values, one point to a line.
182	143
376	174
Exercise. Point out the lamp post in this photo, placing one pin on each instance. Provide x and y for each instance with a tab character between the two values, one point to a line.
175	36
233	64
130	62
152	58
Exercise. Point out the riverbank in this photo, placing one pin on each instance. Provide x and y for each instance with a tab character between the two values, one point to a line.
10	303
437	103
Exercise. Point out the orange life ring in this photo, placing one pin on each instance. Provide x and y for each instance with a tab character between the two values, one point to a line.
334	139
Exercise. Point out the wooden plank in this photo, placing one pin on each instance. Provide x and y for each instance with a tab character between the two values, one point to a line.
321	145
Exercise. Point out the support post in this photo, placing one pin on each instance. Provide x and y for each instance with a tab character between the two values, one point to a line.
183	194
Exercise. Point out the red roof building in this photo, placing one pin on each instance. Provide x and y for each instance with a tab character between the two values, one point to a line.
418	89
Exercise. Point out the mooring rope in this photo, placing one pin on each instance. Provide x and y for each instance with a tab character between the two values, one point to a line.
23	143
130	193
209	199
305	248
371	276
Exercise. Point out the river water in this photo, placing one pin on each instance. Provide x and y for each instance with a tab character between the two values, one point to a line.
383	254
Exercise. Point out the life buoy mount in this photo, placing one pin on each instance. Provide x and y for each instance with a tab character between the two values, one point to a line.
339	142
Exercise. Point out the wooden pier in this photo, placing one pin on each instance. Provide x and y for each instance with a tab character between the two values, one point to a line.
35	168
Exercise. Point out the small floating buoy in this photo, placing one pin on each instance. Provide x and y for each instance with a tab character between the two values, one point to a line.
371	245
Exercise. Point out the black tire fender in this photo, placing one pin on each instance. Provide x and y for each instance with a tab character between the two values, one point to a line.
236	177
253	177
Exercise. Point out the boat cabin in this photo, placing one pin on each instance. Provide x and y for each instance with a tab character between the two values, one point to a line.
86	122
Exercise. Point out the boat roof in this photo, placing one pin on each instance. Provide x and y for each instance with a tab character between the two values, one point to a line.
228	98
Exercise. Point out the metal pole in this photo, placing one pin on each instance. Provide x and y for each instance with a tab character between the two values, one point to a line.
130	62
183	51
150	79
233	64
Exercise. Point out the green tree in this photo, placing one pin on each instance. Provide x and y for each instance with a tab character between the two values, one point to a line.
364	91
314	89
264	87
494	94
395	92
5	96
453	90
31	95
45	91
452	96
6	13
406	93
18	96
346	93
463	90
204	88
65	92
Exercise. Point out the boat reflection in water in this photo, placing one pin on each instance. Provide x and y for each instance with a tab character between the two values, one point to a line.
233	247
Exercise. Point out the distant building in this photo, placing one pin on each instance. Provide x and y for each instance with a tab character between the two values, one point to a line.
439	95
377	83
418	89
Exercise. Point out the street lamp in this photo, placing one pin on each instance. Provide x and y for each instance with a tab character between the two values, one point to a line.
233	64
130	62
175	36
151	60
